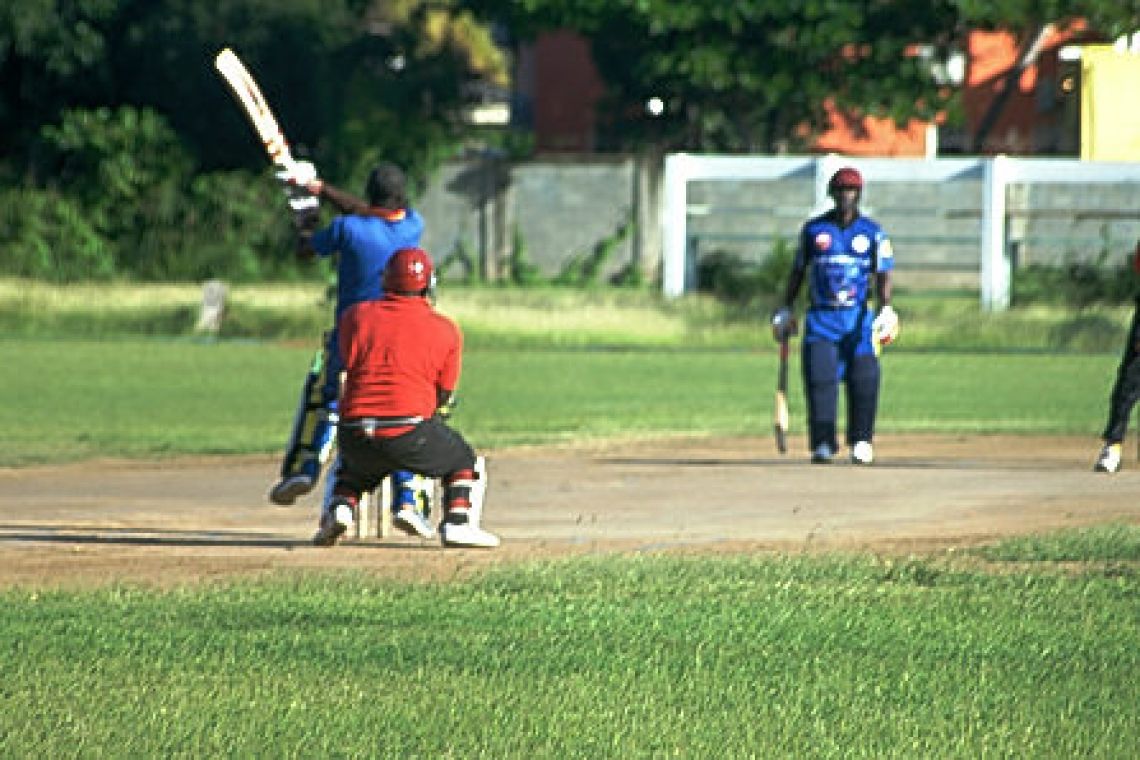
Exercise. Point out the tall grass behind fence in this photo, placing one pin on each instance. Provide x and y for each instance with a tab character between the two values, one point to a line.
545	317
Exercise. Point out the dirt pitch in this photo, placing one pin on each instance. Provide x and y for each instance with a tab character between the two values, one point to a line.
198	520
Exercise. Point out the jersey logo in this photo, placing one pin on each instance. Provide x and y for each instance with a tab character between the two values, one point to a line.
845	297
861	244
822	241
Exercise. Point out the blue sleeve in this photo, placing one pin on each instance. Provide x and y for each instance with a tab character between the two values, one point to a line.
884	252
329	240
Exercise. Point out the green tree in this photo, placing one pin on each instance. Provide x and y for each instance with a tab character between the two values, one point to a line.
146	212
53	55
751	75
754	75
1108	19
118	132
395	67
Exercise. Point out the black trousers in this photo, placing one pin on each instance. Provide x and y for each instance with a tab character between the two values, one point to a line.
825	365
431	448
1126	389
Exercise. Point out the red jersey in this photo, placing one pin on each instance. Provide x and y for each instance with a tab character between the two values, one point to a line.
399	353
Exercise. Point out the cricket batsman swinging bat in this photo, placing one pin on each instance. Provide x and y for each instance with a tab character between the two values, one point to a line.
312	434
781	411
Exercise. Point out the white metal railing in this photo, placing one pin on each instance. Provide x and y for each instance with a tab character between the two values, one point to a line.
996	174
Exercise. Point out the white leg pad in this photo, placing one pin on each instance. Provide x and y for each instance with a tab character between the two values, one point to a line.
478	492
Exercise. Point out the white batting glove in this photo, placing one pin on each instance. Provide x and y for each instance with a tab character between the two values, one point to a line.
885	328
299	173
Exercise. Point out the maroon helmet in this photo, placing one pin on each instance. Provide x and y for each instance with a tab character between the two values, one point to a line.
846	177
408	272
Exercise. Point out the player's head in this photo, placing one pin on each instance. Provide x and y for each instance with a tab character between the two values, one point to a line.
408	273
847	178
845	187
387	187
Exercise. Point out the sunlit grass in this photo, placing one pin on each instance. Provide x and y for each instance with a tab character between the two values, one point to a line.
638	656
542	316
160	397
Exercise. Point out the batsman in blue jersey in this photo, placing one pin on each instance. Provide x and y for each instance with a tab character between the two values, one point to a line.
361	239
843	256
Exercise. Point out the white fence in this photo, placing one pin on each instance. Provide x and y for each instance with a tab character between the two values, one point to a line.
981	203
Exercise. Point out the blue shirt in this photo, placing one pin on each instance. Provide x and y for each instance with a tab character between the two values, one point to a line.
840	263
365	243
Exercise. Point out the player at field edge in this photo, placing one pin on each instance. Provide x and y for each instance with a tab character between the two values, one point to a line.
363	238
402	363
1126	388
841	254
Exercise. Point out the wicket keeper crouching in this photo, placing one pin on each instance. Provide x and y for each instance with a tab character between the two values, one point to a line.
402	363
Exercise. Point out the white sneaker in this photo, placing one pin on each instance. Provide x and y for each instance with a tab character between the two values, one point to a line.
466	534
287	490
822	454
413	522
334	523
862	453
1109	459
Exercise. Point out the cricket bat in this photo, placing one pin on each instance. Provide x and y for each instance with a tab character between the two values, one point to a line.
247	92
781	410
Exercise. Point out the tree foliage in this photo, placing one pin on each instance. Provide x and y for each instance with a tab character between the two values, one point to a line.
755	75
1110	19
118	130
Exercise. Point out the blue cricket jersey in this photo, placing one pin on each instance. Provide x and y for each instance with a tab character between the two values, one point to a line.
365	243
841	262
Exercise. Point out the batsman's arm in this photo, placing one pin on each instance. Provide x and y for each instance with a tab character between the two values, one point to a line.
783	320
885	327
883	288
344	201
796	274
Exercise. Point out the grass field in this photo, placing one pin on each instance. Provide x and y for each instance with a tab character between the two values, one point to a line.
1027	648
75	399
114	370
1002	653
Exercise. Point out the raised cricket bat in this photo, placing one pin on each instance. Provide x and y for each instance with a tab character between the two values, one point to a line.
260	115
781	411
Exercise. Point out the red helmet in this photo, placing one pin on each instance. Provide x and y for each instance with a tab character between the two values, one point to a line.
408	272
845	177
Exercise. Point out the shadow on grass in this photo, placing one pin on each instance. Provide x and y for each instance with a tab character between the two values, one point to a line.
30	533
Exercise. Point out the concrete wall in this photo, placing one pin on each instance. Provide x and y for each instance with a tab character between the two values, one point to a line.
564	208
561	209
934	226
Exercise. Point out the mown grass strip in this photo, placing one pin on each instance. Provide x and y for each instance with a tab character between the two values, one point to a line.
762	656
76	399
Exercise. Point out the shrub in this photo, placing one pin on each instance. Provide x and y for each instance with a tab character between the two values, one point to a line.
122	197
1075	284
45	236
731	278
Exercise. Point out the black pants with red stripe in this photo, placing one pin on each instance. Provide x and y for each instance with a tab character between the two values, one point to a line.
1126	389
431	448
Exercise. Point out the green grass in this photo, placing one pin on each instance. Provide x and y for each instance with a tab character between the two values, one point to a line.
644	656
143	398
1108	544
1028	648
113	370
543	317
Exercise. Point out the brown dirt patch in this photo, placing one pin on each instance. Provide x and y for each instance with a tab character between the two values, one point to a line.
192	521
